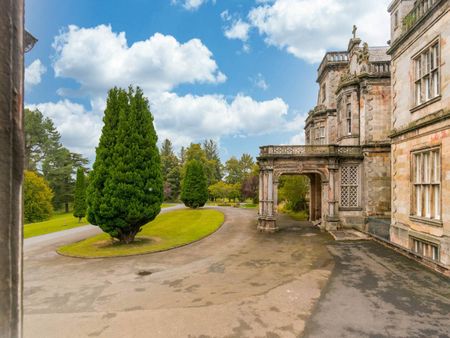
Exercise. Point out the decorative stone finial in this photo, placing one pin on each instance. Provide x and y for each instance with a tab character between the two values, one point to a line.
354	31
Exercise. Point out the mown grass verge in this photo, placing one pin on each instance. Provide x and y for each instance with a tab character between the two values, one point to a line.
167	231
59	222
56	223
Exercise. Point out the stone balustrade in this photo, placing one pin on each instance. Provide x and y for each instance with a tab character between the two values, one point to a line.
421	7
310	150
380	67
333	57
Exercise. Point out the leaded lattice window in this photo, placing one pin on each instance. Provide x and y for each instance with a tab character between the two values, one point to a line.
349	186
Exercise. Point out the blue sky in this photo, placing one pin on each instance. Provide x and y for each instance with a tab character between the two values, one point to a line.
240	72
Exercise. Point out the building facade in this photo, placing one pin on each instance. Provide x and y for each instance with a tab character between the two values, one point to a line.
420	51
347	151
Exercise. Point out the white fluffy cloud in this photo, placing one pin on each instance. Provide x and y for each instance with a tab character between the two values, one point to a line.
307	28
191	5
33	73
80	130
99	58
182	119
189	118
238	30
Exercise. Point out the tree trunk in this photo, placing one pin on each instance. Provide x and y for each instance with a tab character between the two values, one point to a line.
128	236
66	207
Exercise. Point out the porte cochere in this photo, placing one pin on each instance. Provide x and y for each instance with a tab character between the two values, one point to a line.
347	151
320	164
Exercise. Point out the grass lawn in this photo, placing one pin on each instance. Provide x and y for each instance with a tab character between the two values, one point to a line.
57	222
167	205
168	230
249	205
298	216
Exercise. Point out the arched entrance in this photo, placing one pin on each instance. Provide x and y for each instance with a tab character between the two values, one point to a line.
319	163
313	192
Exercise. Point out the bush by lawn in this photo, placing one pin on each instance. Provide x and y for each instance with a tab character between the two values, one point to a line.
168	230
55	223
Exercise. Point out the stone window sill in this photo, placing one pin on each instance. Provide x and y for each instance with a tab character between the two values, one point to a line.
423	105
350	209
428	221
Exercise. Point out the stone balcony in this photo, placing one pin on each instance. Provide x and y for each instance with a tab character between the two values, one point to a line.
310	151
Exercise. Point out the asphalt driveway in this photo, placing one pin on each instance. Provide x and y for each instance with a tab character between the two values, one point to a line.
235	283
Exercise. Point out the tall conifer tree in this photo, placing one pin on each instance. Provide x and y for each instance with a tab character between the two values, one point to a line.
126	189
79	202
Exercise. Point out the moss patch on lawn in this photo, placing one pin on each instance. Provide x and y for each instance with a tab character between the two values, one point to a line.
54	224
169	230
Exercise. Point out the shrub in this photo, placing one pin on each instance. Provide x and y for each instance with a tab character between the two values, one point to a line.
37	198
194	192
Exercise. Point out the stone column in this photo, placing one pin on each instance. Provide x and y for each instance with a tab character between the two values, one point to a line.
270	193
275	197
266	218
333	221
312	197
11	166
261	193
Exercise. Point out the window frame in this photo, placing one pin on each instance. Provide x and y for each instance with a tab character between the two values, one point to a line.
427	74
357	185
426	185
396	20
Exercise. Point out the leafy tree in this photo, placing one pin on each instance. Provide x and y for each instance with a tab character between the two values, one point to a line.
194	191
212	156
79	205
233	170
170	168
126	188
168	158
196	152
37	198
294	190
41	138
219	190
59	168
250	185
246	164
183	155
235	191
172	185
45	153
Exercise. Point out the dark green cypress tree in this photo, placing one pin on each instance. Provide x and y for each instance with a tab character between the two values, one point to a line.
79	202
194	191
126	189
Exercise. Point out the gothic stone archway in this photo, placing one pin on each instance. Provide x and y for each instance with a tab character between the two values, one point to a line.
320	163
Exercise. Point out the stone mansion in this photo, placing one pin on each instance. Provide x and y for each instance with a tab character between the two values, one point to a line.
378	140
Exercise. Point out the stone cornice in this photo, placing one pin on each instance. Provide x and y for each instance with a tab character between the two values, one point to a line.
430	119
